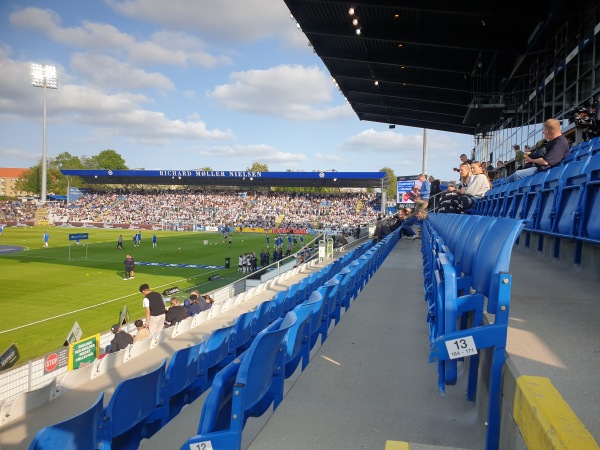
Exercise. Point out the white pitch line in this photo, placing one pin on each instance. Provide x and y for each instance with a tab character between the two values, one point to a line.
93	306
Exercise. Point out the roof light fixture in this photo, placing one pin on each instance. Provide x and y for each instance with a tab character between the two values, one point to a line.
351	11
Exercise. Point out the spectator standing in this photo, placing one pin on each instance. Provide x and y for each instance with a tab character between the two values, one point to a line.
155	309
424	191
519	156
128	267
435	186
556	150
120	341
463	160
142	331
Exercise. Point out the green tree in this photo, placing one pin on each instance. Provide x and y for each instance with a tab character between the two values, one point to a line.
108	159
258	167
67	161
391	187
30	180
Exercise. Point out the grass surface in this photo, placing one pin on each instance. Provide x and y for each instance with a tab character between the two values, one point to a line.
44	292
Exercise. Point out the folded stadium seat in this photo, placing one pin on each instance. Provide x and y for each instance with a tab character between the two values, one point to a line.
572	153
583	151
242	332
507	203
248	387
215	310
79	432
589	223
229	303
497	200
214	353
278	307
199	319
27	401
181	327
570	195
135	410
515	205
547	199
529	210
333	302
595	146
262	316
137	348
345	277
182	382
297	346
317	302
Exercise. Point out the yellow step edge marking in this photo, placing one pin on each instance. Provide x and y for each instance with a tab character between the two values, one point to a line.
544	418
396	445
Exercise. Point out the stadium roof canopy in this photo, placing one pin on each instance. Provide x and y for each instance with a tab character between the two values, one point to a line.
434	64
243	179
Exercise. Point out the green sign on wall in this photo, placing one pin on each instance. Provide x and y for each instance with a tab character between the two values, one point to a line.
84	352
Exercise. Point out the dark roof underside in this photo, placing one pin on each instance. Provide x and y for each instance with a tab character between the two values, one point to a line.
439	65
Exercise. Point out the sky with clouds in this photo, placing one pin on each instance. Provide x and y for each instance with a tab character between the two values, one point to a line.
187	84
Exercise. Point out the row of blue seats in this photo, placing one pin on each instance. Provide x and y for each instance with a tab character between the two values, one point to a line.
563	201
255	381
141	406
466	262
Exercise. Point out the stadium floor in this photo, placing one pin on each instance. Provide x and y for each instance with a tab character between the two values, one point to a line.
371	381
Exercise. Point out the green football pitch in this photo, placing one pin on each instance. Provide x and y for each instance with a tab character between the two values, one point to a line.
45	290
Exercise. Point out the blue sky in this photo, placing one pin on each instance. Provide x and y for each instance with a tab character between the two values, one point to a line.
187	84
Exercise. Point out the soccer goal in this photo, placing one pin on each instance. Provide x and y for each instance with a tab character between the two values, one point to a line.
179	225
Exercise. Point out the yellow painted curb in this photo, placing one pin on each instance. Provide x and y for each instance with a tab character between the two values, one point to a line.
396	445
544	418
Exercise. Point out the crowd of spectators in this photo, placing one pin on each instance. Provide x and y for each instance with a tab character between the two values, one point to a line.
218	209
17	211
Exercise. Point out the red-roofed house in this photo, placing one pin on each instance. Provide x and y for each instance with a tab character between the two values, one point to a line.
8	179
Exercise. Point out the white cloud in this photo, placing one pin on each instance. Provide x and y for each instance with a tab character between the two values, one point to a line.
373	141
294	92
19	154
224	20
108	72
329	157
172	48
116	114
247	154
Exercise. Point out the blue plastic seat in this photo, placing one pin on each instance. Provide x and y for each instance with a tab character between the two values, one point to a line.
135	410
242	331
245	388
215	353
547	199
297	340
589	225
182	380
81	431
570	195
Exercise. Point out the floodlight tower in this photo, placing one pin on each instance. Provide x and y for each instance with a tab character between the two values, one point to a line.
44	76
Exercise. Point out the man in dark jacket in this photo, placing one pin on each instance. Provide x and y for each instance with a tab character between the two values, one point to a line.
120	341
176	312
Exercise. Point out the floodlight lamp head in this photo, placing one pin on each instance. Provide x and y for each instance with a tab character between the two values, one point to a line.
44	76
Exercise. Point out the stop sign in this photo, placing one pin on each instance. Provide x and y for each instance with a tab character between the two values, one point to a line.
51	362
